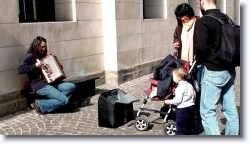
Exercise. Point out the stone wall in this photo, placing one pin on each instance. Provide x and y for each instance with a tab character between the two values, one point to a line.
78	44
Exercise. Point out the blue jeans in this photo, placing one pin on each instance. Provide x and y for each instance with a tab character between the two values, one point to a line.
218	85
55	97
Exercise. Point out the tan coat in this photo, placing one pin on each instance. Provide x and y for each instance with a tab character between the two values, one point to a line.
177	37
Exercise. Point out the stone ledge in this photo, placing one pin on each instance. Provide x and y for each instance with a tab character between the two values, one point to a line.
14	105
15	101
124	75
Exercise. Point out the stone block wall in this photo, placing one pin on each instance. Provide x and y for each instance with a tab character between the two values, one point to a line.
137	44
78	44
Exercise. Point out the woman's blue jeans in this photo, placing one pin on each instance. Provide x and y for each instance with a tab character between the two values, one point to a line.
55	97
218	85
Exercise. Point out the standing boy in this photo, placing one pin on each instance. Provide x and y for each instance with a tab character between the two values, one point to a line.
185	101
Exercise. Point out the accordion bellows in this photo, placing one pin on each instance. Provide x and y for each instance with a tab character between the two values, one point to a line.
52	69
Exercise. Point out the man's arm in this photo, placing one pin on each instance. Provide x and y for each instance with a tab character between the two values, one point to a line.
202	46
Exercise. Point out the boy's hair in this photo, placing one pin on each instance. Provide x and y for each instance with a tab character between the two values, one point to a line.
214	1
181	72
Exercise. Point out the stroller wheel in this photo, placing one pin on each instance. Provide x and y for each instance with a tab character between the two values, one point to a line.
169	128
145	118
142	123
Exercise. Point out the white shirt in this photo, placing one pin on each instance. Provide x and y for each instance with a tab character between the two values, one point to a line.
184	95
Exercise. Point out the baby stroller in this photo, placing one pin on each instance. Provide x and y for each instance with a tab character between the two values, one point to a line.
167	112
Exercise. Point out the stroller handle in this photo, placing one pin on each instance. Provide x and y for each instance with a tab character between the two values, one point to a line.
192	66
175	53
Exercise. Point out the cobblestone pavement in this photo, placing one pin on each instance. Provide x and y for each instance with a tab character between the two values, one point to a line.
83	120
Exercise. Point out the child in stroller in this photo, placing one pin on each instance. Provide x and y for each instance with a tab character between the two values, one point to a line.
163	89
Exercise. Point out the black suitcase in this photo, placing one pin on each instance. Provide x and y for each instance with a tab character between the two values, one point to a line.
115	108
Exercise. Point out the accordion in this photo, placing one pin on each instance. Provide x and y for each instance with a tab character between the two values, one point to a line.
52	69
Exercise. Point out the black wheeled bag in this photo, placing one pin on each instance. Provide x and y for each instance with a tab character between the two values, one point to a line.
115	108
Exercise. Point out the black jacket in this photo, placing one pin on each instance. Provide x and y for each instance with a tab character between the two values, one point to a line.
209	40
163	73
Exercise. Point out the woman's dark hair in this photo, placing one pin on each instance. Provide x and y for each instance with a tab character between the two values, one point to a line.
182	10
35	45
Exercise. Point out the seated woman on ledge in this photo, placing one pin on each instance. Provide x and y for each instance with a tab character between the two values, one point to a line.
55	94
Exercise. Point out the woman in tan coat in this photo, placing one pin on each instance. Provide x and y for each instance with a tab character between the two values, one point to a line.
185	32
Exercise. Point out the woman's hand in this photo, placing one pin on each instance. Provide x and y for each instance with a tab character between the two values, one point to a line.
38	64
176	45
